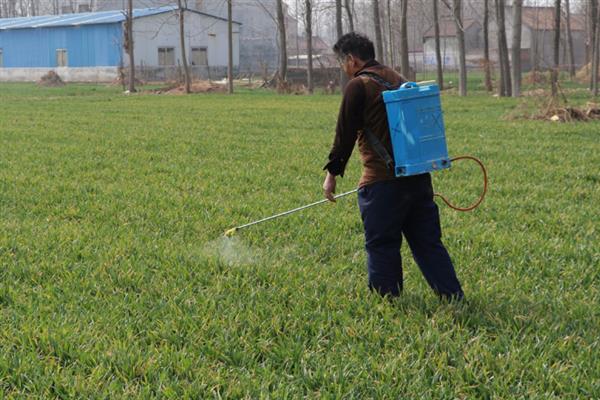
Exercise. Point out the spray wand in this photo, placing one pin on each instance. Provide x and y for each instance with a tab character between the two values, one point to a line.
232	231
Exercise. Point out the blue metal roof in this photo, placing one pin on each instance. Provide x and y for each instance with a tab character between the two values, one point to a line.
89	18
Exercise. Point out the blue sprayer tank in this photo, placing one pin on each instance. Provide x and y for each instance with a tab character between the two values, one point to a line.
417	131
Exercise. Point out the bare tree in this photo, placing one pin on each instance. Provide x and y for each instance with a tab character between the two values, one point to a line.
456	9
282	45
378	33
556	67
349	13
186	70
486	46
595	70
591	7
516	47
404	61
128	42
570	49
438	52
591	10
390	34
309	47
229	48
504	88
339	29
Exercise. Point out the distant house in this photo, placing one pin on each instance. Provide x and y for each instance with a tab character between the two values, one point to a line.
449	43
322	53
89	46
259	47
537	40
258	38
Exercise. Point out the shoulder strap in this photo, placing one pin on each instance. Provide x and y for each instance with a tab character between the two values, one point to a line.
372	139
379	80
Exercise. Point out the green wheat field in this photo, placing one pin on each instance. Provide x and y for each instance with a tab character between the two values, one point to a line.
116	280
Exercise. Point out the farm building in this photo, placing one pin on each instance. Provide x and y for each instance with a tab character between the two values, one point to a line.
89	46
449	43
537	39
258	46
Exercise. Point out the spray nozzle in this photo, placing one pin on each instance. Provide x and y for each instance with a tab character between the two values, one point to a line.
230	232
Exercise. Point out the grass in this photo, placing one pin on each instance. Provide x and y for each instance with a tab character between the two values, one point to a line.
115	282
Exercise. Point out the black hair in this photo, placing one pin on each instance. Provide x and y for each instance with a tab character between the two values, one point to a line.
356	44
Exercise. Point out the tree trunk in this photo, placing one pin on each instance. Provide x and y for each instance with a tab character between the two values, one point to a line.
390	35
309	49
282	46
556	67
348	8
383	16
129	44
186	69
460	36
516	47
438	51
404	61
339	29
591	6
378	34
229	48
596	53
504	88
486	47
570	49
592	12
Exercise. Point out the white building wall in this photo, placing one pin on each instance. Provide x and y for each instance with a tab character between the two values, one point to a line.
162	30
448	48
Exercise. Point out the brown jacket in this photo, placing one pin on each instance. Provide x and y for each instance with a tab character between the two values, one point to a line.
362	107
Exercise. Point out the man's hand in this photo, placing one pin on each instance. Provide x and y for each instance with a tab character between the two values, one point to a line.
329	187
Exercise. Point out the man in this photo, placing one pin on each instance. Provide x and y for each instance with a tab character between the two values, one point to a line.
390	207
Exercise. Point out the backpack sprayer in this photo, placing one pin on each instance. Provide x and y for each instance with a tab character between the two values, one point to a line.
416	126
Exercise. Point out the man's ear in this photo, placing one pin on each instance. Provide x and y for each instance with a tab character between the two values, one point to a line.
352	60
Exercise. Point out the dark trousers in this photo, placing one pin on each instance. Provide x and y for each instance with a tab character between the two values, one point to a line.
405	206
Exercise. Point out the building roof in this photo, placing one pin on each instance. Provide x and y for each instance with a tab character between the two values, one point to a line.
88	18
318	45
542	19
448	28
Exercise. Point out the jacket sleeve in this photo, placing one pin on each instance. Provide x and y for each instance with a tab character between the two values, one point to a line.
350	121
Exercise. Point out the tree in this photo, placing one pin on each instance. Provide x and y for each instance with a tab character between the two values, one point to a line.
460	36
596	50
309	48
181	14
378	34
282	75
349	13
504	88
229	48
339	28
555	70
591	7
486	46
516	47
390	34
456	9
128	42
438	52
570	49
404	61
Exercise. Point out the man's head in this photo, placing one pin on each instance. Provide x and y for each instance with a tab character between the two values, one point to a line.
354	51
